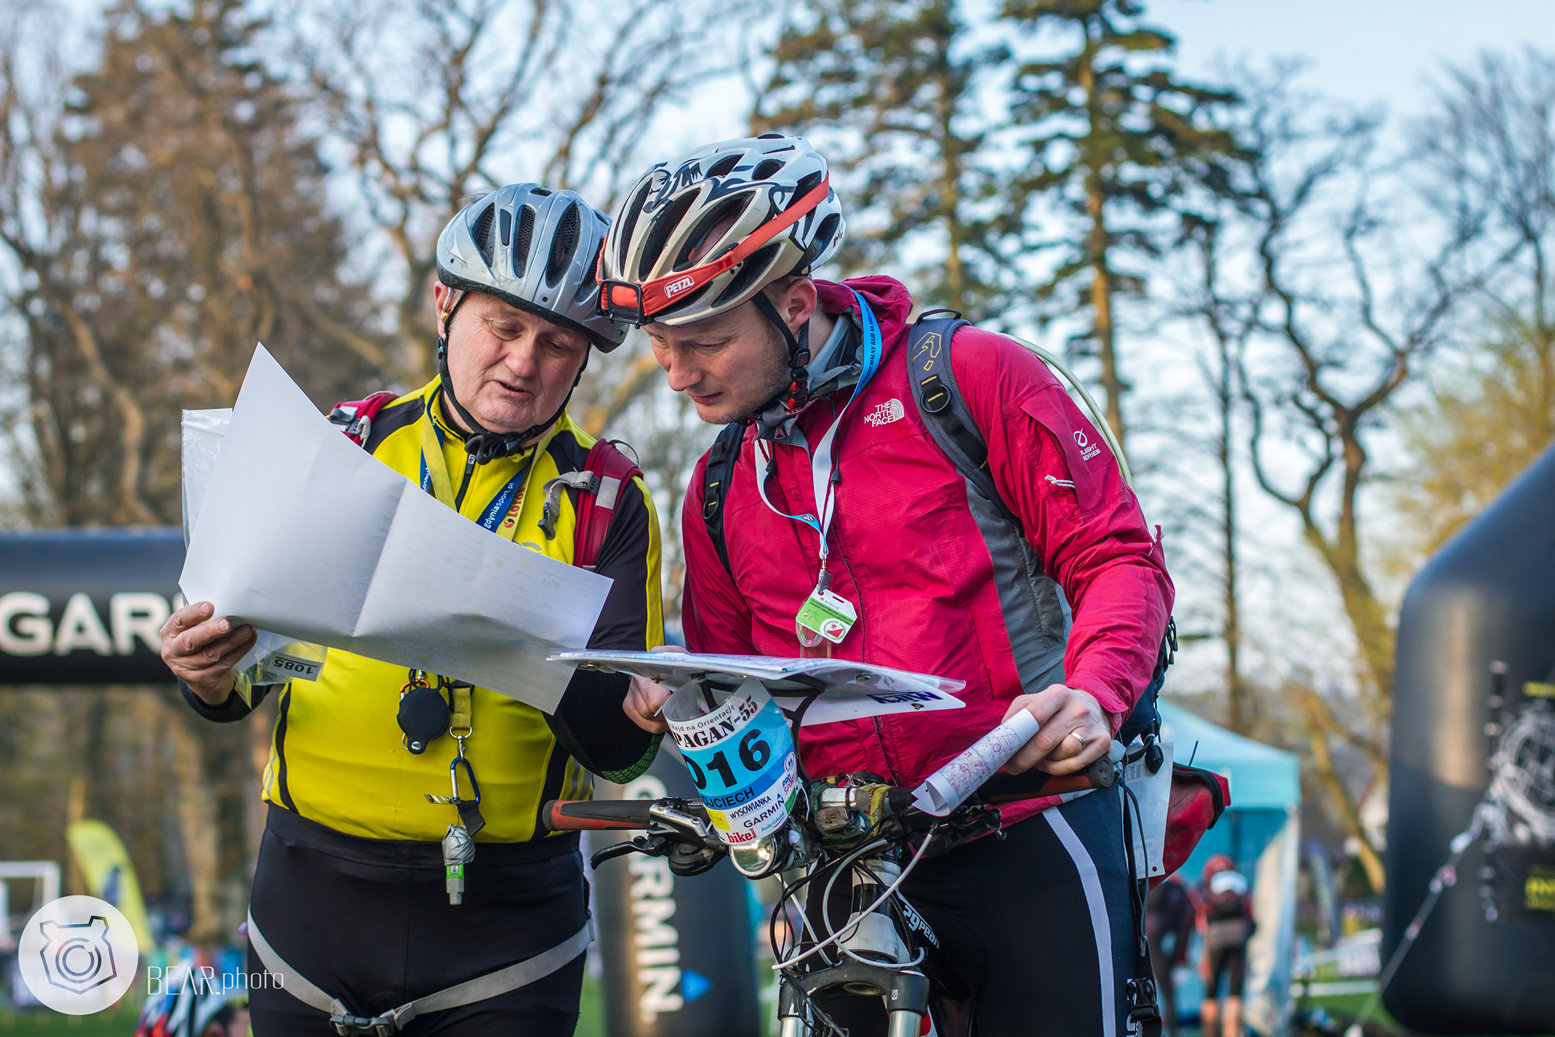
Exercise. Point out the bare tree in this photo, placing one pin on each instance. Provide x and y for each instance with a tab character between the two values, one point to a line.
1336	342
1231	322
434	102
1487	157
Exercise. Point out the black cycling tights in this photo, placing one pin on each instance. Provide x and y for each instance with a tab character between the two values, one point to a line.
1038	925
369	922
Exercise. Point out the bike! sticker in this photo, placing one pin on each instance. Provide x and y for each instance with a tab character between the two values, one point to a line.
741	758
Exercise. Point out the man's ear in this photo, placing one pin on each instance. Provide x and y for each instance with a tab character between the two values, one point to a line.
798	302
444	299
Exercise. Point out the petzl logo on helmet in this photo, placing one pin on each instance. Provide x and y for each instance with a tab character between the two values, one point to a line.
77	955
679	285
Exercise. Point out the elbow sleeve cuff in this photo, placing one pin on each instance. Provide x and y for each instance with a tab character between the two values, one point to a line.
233	708
636	770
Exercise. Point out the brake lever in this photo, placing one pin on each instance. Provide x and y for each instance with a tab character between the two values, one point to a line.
682	851
619	849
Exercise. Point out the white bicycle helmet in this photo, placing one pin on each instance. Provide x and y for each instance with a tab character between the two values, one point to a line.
705	232
536	249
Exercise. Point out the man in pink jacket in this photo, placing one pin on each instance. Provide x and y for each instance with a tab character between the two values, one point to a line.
840	496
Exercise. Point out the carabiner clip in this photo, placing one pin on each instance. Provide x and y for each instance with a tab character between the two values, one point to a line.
469	773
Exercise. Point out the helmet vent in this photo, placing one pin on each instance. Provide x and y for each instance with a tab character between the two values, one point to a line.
663	225
750	274
714	224
805	185
766	169
526	230
824	235
724	166
622	238
481	232
563	244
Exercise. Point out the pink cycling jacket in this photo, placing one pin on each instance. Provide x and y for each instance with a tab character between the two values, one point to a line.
936	588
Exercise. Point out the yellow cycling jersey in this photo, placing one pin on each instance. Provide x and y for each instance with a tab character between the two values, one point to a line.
337	755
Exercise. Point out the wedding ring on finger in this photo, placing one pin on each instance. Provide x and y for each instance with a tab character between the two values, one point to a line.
1079	739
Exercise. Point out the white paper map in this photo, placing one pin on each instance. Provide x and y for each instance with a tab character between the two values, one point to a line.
852	689
303	533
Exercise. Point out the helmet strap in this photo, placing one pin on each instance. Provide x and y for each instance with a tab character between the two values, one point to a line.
798	393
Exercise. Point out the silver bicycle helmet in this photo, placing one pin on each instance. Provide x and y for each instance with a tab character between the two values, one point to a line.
536	249
705	232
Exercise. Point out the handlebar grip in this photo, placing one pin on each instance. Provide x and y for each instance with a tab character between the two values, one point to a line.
1006	788
572	815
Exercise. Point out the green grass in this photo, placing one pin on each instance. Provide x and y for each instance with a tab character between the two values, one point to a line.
119	1022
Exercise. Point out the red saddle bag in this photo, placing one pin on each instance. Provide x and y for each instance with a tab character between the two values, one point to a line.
1198	798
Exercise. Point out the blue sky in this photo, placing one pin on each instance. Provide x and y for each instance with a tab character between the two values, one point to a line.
1365	51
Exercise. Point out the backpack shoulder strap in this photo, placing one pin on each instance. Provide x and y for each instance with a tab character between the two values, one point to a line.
940	403
950	422
608	470
356	416
720	470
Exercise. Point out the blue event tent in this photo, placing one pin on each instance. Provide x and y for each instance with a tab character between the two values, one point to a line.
1260	830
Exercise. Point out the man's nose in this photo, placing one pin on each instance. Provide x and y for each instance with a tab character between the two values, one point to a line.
679	374
522	354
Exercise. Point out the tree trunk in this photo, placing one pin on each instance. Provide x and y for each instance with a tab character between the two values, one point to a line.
1101	279
1238	713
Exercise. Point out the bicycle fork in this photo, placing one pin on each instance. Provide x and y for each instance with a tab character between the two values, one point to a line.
880	968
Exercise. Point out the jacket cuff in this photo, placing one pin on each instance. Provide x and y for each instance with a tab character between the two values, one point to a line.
234	708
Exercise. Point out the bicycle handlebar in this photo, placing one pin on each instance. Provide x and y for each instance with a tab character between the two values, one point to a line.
619	814
572	815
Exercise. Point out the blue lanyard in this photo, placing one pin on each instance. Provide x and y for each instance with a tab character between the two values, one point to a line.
821	467
497	510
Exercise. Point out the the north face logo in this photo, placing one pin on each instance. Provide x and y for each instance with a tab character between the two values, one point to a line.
889	411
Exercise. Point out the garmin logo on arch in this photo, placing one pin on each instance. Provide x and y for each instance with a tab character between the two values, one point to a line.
27	627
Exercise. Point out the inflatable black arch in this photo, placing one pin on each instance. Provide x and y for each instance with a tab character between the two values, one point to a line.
84	606
1473	763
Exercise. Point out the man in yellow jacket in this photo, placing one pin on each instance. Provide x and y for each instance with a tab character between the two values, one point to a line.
352	896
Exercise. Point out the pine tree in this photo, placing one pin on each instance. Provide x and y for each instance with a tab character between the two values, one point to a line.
888	90
1116	137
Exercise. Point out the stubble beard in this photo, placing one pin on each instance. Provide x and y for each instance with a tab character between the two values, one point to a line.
776	376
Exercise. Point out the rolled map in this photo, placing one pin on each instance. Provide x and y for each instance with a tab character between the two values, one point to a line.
947	788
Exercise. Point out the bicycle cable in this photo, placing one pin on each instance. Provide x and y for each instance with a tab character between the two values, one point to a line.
890	891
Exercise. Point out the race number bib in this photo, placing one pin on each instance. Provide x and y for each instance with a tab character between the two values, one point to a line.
741	758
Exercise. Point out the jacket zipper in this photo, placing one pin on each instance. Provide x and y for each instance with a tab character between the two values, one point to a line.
464	484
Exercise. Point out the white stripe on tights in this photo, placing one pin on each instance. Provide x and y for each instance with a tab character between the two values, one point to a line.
1096	902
